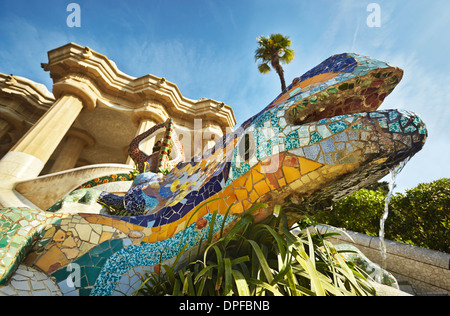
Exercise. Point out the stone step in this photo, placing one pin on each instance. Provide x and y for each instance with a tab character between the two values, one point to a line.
405	286
432	294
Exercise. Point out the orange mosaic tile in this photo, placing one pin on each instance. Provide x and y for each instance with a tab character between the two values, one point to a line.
272	181
261	188
257	176
307	165
105	236
237	208
249	183
51	260
241	194
291	174
253	196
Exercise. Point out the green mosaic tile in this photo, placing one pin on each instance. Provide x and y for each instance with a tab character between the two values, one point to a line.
395	127
315	137
332	90
404	121
357	126
383	123
337	127
410	129
291	143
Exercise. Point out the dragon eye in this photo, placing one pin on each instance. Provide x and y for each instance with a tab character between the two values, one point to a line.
246	147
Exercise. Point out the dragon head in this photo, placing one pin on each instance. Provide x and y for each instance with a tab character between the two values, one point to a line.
322	138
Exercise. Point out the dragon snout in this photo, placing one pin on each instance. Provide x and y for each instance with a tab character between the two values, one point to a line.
384	137
401	134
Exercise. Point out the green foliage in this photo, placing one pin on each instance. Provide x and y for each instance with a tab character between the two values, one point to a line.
135	172
422	216
419	217
260	259
164	171
359	212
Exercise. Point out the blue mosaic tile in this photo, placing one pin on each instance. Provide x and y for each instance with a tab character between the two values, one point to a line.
404	121
376	114
340	146
104	265
338	118
311	152
422	130
417	120
303	131
341	137
393	115
328	146
150	254
357	126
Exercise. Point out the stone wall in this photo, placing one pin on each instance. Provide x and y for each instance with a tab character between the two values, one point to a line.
427	271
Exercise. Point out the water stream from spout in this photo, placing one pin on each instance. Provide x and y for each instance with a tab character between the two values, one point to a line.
394	171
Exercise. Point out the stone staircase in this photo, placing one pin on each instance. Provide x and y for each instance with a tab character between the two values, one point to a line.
406	287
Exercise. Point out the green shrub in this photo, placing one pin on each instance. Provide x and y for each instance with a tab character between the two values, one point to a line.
359	212
419	217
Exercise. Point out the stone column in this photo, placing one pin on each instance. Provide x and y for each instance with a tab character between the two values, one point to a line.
76	141
4	127
28	157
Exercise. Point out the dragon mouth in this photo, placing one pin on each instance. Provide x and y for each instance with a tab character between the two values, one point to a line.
342	93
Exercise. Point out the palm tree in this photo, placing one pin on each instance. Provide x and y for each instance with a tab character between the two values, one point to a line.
274	50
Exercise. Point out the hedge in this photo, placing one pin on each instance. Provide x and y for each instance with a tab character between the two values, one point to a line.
420	216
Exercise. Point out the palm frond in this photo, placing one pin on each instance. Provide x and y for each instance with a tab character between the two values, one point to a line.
264	68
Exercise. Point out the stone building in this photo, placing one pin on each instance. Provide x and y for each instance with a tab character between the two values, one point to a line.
87	123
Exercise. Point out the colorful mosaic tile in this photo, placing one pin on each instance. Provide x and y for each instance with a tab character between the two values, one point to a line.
160	158
320	139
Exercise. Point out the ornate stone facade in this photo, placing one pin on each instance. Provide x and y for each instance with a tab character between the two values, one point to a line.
91	116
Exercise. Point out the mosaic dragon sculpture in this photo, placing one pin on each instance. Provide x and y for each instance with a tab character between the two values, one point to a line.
318	141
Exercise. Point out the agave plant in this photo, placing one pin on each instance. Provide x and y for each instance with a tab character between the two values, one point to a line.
255	259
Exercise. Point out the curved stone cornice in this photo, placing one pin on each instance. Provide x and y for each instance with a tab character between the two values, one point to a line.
72	66
34	93
23	100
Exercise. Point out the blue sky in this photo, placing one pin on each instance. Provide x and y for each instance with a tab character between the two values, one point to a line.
206	47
